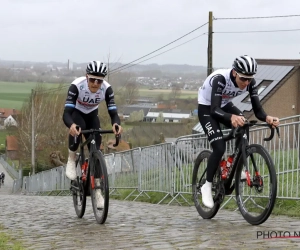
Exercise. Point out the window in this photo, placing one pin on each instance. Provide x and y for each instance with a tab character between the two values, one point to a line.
261	87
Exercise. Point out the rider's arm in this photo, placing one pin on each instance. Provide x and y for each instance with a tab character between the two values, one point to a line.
218	83
70	105
256	105
111	106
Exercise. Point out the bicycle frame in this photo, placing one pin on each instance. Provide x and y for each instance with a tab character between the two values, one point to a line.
89	175
240	151
91	139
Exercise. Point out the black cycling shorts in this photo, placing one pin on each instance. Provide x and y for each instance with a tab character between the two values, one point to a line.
85	121
210	125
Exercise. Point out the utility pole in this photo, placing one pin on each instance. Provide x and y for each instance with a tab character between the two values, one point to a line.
108	68
210	43
32	132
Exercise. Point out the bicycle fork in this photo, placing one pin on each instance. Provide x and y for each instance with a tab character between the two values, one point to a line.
257	179
94	183
92	175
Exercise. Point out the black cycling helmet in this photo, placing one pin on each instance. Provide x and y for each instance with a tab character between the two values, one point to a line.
245	65
96	68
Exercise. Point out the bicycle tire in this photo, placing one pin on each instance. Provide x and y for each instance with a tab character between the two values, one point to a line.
100	171
79	196
204	212
261	183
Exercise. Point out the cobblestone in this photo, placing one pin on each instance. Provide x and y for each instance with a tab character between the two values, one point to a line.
47	222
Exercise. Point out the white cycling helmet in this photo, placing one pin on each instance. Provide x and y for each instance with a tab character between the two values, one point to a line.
245	65
96	68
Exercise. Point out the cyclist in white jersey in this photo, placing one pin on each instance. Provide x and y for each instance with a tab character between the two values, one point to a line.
81	108
215	107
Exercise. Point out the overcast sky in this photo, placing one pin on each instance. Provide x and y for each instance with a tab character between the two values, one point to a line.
84	30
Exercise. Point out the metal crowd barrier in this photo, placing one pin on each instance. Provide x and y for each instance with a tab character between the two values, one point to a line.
167	168
11	170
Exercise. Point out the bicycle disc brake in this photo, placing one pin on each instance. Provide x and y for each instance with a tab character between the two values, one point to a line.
258	183
220	192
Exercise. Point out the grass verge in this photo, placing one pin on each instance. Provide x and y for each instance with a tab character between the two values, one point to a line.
282	206
8	242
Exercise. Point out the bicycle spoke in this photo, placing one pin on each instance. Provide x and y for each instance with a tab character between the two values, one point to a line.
79	194
198	180
256	198
100	190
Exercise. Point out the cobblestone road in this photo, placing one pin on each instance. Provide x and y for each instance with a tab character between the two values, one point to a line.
42	222
47	222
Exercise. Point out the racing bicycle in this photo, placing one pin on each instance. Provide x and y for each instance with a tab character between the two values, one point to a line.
255	194
91	176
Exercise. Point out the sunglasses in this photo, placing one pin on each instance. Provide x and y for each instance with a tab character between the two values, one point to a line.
244	79
93	80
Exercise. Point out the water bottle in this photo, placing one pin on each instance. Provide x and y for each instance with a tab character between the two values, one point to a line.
223	169
225	166
83	170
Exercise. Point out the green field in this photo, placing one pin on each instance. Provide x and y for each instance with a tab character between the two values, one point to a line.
13	94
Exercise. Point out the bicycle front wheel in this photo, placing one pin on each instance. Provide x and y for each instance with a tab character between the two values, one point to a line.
78	192
198	180
99	187
256	196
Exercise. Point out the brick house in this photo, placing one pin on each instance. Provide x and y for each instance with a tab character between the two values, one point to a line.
11	147
279	86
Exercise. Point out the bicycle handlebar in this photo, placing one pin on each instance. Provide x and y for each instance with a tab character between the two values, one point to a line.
234	131
100	131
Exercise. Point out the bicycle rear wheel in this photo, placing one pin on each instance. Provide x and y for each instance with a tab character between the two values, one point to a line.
101	187
78	192
198	180
256	199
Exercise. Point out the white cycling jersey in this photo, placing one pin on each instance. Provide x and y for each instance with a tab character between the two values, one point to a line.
86	101
229	89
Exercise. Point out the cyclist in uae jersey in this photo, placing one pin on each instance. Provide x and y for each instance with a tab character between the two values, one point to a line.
81	108
215	107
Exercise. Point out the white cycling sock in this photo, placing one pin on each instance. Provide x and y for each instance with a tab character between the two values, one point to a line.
207	183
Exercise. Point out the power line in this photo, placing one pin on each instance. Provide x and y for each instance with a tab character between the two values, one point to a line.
159	48
129	66
256	31
256	17
53	90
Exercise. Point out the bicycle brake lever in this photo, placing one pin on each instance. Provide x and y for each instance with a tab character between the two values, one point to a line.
117	140
235	131
277	130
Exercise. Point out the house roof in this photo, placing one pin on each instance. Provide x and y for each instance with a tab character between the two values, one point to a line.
174	111
5	112
273	73
168	115
127	110
11	142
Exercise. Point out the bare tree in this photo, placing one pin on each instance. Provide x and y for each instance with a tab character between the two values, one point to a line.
176	92
160	117
49	130
131	92
160	97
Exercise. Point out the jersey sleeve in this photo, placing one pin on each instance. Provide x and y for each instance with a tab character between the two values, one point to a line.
70	105
256	105
218	84
111	106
